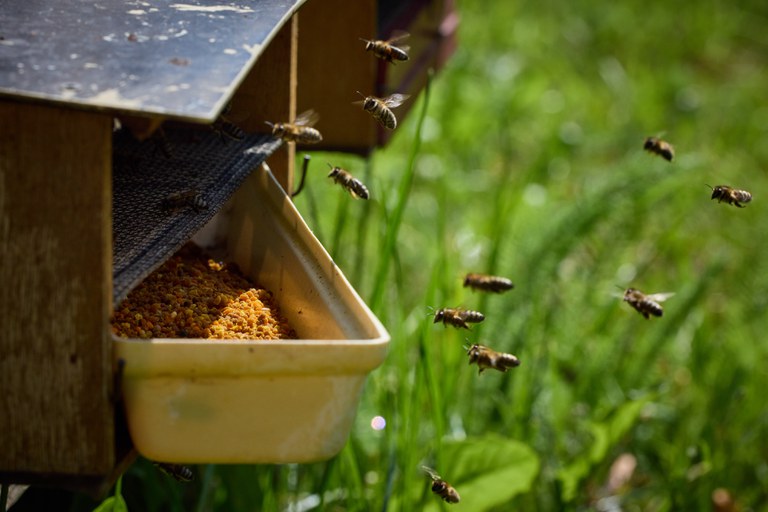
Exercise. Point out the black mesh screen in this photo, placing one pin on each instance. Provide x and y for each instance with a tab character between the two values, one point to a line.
165	191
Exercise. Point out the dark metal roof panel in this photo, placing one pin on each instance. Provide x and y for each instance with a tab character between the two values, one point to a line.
179	59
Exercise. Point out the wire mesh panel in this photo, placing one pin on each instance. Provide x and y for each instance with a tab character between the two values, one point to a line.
165	191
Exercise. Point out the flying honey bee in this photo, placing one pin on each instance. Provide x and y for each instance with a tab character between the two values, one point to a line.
646	305
486	283
300	130
175	471
441	487
386	50
225	128
354	186
458	317
191	198
662	148
380	108
489	358
731	195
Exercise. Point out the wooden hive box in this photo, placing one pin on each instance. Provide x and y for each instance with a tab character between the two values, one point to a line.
330	73
66	75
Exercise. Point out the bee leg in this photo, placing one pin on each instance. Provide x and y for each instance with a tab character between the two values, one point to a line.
303	176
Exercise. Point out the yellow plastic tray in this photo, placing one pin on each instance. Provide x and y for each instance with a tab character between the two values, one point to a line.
282	401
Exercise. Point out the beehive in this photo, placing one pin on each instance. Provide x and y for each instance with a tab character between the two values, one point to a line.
149	67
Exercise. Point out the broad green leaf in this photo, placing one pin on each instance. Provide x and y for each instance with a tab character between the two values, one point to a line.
112	504
487	471
604	436
601	442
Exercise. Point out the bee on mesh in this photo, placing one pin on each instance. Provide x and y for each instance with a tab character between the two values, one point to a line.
191	198
731	195
225	128
381	108
300	130
386	49
162	144
351	184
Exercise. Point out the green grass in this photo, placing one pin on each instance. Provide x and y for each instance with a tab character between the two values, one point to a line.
529	164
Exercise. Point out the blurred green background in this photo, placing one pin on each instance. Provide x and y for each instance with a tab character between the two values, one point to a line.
526	160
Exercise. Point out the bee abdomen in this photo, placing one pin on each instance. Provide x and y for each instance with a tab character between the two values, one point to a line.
162	143
346	180
458	317
358	189
176	471
398	54
386	117
389	53
231	130
472	316
187	198
651	307
307	135
494	284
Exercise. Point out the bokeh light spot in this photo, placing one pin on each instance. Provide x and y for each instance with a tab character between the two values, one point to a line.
378	423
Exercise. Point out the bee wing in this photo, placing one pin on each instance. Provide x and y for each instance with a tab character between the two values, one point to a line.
660	297
621	294
431	472
307	118
395	100
398	35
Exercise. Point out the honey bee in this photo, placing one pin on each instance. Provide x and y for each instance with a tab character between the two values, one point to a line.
191	198
162	144
386	50
441	487
458	317
662	148
225	128
731	195
300	130
380	108
354	186
489	358
646	305
486	283
175	471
